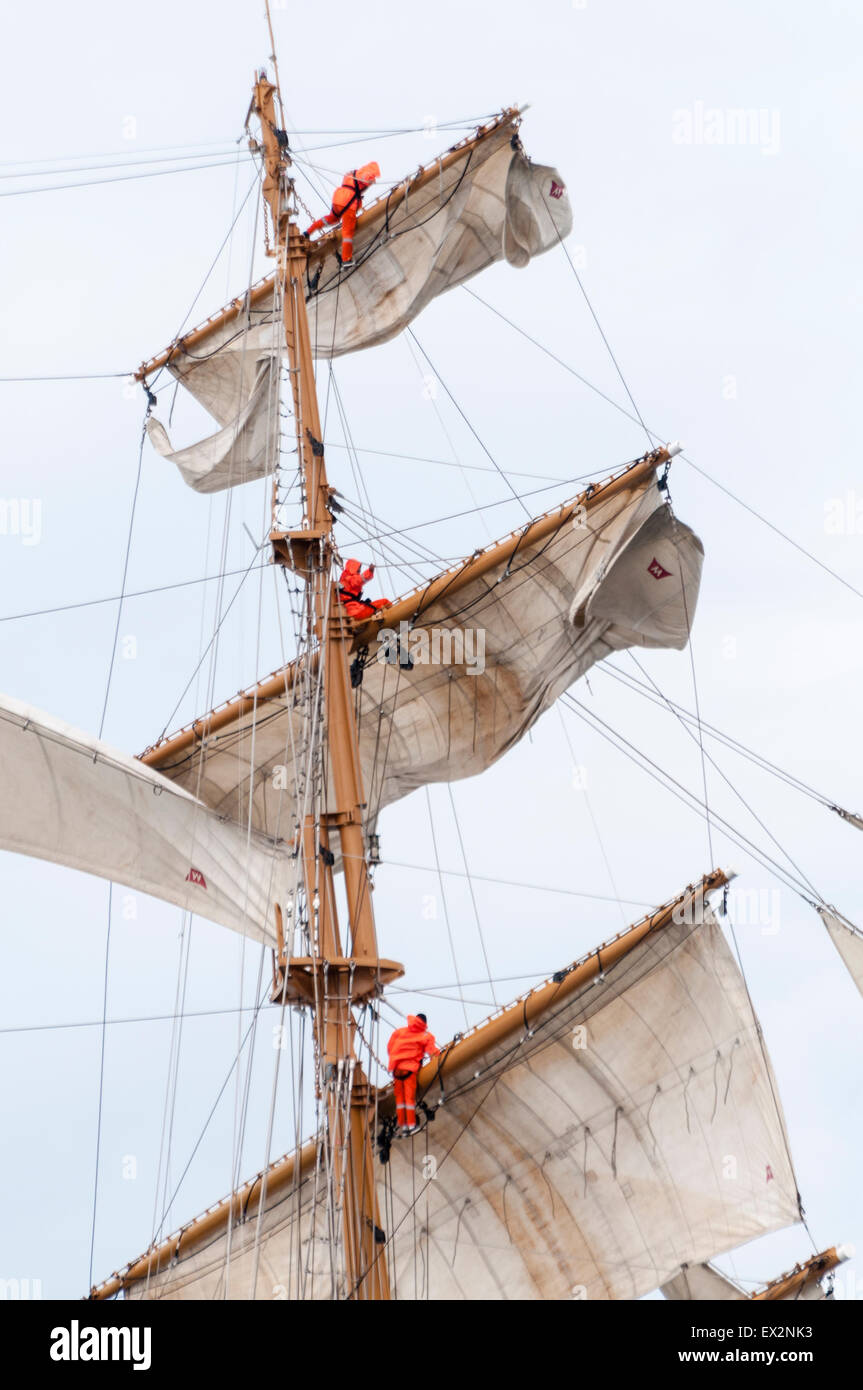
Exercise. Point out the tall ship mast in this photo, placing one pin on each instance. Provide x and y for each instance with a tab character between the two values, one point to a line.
616	1126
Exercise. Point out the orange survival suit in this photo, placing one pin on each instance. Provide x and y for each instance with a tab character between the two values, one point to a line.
347	201
405	1051
351	591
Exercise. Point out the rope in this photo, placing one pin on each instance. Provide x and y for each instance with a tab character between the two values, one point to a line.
472	511
757	760
132	593
353	459
444	463
688	620
124	178
595	318
472	893
658	438
733	787
84	376
513	883
444	901
677	789
226	241
617	898
448	437
125	574
172	1085
139	1018
214	1106
101	1083
487	453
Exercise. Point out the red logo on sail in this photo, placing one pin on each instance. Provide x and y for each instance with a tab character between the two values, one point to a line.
656	569
195	876
556	190
770	1177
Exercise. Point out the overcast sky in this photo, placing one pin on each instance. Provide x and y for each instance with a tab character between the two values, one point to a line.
726	276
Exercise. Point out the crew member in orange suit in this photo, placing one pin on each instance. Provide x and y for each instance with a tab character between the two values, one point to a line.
405	1052
351	591
347	202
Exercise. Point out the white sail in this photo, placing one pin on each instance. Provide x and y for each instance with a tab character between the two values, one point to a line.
245	449
562	1164
626	575
73	800
808	1282
848	941
484	204
702	1283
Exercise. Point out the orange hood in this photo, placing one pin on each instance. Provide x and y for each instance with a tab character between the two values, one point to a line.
365	176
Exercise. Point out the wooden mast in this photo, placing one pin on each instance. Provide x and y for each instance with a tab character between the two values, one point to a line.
331	980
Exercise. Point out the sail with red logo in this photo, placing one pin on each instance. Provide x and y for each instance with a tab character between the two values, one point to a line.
480	202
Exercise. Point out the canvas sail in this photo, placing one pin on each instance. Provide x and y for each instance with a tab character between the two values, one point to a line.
701	1283
805	1283
245	449
848	941
559	1170
480	204
547	603
73	800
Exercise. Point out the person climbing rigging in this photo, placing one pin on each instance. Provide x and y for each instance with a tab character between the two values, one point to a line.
405	1052
347	202
351	584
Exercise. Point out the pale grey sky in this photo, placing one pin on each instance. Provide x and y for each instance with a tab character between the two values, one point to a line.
726	275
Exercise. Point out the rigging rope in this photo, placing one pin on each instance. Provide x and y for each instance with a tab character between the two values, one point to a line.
132	593
215	1104
467	875
658	439
84	376
444	901
101	1083
689	644
448	437
599	838
680	791
444	463
226	241
595	318
757	760
487	453
124	178
125	575
729	783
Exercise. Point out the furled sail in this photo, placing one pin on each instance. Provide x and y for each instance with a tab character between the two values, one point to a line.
848	941
73	800
493	643
482	202
615	1124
